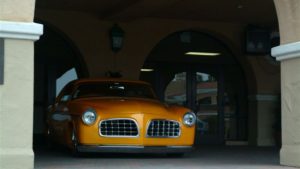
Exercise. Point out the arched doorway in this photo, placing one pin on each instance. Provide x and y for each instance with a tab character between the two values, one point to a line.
55	57
198	71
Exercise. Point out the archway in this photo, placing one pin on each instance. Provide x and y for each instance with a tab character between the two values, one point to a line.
55	55
199	71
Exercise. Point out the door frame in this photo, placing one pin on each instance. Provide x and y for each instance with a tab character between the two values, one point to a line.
191	87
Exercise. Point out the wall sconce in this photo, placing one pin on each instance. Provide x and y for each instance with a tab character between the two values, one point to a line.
116	36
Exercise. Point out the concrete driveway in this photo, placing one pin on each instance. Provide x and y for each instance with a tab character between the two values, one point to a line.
209	157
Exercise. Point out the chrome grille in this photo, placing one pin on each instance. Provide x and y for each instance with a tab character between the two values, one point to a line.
163	128
118	128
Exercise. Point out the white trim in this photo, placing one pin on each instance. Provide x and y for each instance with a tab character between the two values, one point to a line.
287	51
264	97
20	30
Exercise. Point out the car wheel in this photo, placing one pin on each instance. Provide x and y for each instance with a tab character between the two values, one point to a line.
175	155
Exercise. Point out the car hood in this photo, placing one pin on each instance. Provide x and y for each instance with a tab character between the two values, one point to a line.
125	105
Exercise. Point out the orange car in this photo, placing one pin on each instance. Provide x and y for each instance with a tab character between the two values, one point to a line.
112	115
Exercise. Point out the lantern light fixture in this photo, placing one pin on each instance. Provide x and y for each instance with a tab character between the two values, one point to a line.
116	36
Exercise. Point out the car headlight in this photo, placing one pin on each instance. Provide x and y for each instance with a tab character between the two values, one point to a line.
89	117
189	119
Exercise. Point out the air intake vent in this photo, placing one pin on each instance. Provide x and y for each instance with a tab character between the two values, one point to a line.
163	128
118	128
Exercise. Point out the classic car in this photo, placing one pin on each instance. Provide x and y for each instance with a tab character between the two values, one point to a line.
113	115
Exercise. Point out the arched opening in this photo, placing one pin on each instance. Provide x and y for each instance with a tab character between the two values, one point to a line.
56	61
198	71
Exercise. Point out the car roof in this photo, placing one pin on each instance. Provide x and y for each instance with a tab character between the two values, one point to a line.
88	80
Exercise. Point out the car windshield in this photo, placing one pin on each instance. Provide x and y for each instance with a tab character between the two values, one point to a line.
114	89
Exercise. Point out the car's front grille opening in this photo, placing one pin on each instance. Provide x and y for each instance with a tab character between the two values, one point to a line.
163	128
118	128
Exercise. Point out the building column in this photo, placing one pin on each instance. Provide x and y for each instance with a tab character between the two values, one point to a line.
288	12
289	55
16	93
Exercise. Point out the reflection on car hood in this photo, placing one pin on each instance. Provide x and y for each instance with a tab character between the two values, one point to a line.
125	105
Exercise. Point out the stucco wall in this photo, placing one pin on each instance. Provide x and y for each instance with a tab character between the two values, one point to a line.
16	93
288	12
16	10
16	104
289	20
290	107
90	35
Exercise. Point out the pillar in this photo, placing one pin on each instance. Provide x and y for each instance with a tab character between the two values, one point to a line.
17	36
288	53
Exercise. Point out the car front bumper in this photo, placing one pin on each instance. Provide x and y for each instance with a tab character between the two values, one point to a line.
134	149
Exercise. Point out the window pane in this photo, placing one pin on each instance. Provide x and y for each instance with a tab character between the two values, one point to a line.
175	92
65	79
207	104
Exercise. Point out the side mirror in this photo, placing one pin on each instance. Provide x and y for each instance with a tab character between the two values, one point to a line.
65	98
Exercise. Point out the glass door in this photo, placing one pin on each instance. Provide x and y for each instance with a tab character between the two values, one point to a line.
202	93
208	109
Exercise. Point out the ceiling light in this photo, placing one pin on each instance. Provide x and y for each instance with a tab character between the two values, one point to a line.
202	53
147	70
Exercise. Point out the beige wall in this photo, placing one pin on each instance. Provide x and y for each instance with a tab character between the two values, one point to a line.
16	113
288	12
264	111
267	74
90	35
16	94
16	10
290	152
265	121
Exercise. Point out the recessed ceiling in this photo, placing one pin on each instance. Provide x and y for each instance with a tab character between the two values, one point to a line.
240	11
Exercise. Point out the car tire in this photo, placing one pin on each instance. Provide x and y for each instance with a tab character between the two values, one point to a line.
74	148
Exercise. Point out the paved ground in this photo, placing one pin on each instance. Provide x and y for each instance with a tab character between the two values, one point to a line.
211	157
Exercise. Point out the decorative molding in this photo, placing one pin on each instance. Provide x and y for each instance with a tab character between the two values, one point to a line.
20	30
287	51
264	97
